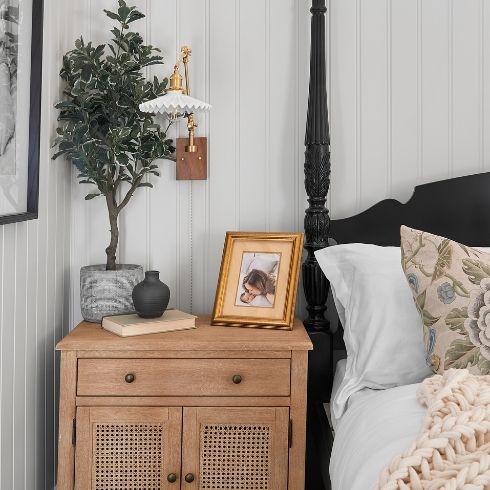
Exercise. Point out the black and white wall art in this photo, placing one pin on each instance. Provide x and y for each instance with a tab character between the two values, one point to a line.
20	97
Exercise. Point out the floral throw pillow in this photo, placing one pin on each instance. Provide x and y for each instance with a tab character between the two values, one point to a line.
450	283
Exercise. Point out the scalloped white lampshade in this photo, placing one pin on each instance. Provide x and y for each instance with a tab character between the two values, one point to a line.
173	102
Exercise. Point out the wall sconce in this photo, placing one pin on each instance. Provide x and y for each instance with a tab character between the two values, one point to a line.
191	153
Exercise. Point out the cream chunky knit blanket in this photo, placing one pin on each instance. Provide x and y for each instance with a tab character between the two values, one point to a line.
453	449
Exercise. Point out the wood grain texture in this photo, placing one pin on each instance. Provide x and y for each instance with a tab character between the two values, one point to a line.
187	401
91	336
191	166
297	452
242	421
67	413
83	461
179	354
183	377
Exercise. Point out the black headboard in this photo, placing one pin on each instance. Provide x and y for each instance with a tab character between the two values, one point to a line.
457	208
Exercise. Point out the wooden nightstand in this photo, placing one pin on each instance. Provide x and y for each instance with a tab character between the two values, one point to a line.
215	407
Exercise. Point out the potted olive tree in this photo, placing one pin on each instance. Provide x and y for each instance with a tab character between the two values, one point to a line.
111	142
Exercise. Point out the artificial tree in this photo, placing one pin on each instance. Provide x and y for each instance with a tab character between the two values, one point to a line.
102	132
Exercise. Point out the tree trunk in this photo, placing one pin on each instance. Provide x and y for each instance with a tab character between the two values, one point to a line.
112	248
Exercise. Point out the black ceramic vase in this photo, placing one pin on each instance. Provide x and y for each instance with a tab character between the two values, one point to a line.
151	296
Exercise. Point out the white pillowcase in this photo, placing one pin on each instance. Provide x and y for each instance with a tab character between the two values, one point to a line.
383	332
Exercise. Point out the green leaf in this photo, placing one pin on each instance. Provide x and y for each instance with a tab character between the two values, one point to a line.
443	260
476	270
86	73
135	15
123	12
428	319
145	184
456	318
91	196
420	300
461	354
112	15
464	248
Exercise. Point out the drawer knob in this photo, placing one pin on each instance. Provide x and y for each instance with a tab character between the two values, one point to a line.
237	379
172	478
129	378
189	478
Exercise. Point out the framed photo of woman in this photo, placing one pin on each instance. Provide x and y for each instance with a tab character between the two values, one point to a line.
258	280
21	35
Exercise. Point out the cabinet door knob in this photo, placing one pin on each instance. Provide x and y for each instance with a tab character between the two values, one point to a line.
189	478
237	379
129	378
172	478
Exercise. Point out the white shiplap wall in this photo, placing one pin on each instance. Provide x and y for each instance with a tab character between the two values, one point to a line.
34	303
408	99
409	103
250	61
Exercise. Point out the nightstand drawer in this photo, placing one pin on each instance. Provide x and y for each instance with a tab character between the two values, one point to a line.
183	377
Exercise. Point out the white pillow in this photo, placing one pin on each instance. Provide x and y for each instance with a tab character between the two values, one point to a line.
383	331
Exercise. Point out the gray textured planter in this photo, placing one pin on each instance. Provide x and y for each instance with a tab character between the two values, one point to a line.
105	292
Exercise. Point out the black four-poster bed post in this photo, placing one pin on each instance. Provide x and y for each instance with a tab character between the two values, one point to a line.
315	284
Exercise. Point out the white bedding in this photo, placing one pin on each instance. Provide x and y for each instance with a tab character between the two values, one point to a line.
378	425
340	369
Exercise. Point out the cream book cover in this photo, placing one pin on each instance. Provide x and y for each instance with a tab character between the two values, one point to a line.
130	325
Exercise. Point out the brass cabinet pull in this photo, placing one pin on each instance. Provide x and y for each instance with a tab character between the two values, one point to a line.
189	478
172	478
129	378
237	379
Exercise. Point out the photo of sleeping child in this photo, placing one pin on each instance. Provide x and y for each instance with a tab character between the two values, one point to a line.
257	282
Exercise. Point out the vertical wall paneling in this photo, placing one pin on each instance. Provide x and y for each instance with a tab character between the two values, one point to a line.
224	93
485	33
192	266
466	87
242	65
7	367
253	115
374	104
281	119
344	105
34	300
408	103
403	101
407	85
435	65
163	197
19	378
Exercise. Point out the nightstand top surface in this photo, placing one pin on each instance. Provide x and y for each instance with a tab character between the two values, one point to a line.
91	336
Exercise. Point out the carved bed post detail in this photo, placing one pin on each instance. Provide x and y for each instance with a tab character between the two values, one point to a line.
317	173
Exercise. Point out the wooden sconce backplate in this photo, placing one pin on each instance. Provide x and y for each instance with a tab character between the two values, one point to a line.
192	166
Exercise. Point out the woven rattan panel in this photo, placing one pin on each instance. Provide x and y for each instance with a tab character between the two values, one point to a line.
235	457
127	456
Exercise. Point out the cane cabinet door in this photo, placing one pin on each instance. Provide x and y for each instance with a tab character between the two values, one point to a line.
128	448
235	448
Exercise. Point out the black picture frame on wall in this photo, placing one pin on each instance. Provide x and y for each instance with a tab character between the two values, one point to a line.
34	119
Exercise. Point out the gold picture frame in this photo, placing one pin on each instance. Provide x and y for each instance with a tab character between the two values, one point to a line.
258	280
